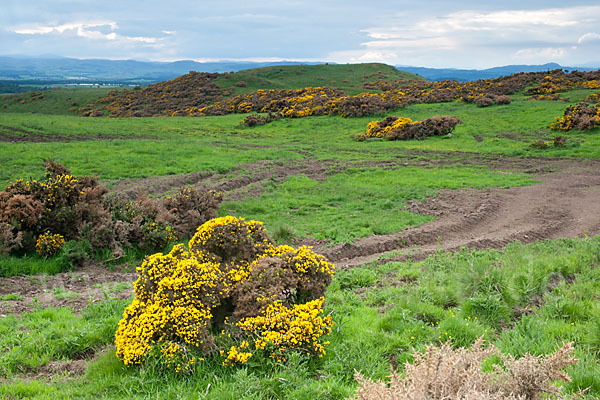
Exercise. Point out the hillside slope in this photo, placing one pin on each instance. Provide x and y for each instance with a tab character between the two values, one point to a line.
201	89
351	78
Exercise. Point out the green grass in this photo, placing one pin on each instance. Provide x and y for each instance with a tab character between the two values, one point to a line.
349	77
162	146
359	202
55	101
30	264
375	317
12	297
55	334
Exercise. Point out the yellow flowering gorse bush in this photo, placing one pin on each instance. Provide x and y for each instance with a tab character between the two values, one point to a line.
400	128
48	244
289	328
579	116
232	277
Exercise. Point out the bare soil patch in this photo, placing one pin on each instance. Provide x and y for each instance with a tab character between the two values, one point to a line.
566	203
19	135
75	290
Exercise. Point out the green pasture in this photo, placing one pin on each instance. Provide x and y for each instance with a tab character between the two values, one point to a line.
523	299
123	147
62	101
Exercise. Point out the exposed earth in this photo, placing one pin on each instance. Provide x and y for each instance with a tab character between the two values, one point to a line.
565	203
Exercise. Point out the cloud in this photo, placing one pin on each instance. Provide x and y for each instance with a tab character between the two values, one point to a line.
433	43
81	27
86	30
480	38
588	37
549	53
436	33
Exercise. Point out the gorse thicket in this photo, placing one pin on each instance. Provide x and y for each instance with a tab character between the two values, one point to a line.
44	215
232	294
400	128
580	116
196	94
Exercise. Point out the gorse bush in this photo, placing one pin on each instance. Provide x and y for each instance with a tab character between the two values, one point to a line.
447	373
232	294
399	128
49	244
77	209
580	116
257	119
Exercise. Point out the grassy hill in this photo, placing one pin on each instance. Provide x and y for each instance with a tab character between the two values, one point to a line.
347	77
351	78
55	101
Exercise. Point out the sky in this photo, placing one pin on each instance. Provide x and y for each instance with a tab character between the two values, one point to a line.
438	34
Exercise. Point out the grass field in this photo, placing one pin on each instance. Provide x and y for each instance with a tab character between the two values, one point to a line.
185	143
459	297
317	184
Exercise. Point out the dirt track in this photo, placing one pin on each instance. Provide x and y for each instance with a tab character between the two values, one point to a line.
566	203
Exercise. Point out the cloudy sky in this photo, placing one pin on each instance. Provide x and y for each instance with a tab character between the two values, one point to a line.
440	33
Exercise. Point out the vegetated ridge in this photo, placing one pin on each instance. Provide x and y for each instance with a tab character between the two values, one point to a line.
199	94
200	88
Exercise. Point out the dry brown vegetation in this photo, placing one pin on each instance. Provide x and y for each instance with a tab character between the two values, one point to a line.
447	373
77	209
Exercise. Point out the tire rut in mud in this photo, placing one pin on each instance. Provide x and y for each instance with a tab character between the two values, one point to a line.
566	203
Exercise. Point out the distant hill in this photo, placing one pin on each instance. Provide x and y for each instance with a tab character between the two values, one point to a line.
351	78
136	72
440	74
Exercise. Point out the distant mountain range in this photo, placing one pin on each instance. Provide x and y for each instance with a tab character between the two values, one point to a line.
440	74
64	70
138	72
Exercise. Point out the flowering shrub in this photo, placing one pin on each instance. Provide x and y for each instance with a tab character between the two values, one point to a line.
379	129
49	244
257	119
558	141
593	98
188	209
34	207
399	128
551	97
157	236
286	328
232	278
580	116
76	208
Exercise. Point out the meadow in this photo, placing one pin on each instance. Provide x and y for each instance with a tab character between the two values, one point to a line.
310	182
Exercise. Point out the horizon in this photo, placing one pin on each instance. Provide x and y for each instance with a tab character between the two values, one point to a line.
463	35
274	60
